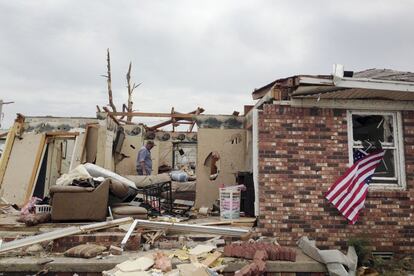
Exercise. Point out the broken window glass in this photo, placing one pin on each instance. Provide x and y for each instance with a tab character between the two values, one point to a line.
371	131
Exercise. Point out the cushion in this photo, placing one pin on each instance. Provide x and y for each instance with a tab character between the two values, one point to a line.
135	212
129	210
139	216
85	251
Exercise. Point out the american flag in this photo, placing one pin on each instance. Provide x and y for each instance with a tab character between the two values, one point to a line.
348	193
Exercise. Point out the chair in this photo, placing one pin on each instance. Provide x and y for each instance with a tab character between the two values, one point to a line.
70	203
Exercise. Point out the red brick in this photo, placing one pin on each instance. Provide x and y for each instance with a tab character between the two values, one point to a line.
302	151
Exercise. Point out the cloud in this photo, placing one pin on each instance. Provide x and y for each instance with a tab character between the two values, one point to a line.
186	53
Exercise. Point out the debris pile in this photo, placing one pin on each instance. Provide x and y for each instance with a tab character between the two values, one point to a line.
248	250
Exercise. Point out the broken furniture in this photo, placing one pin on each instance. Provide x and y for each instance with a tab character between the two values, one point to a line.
71	203
156	197
183	190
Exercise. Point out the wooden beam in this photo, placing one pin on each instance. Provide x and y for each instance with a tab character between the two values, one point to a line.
62	134
151	114
160	125
14	131
113	116
7	150
36	168
173	119
197	112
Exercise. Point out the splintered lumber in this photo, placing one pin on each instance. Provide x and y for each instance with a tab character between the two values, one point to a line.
222	231
128	234
111	116
68	231
240	221
212	258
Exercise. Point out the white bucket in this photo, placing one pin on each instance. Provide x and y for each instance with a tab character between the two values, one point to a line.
229	203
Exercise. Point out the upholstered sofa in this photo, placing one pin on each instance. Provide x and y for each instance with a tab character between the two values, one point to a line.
70	203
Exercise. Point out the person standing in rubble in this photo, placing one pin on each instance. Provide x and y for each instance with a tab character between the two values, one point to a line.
144	162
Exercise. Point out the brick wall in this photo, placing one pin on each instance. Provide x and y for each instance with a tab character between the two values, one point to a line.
302	151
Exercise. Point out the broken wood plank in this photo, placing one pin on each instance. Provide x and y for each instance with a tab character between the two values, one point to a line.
112	116
160	125
72	230
212	258
241	221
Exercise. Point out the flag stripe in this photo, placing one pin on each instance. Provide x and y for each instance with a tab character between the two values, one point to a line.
345	189
356	183
348	193
342	183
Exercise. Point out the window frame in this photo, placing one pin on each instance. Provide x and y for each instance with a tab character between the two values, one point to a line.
398	144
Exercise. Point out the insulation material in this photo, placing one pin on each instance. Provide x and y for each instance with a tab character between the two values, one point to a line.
106	136
230	144
76	157
96	171
22	167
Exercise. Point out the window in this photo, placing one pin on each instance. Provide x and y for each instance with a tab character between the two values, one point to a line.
367	130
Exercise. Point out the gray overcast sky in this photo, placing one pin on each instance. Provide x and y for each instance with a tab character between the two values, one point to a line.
187	53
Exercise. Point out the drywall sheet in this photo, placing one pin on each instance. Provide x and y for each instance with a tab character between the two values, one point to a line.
24	157
230	144
78	149
91	144
161	155
125	165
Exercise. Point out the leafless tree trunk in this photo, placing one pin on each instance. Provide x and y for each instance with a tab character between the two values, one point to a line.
109	81
130	90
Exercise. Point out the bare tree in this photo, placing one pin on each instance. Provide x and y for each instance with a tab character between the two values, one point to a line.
109	81
130	91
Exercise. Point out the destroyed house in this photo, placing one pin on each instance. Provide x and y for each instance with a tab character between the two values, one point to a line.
39	150
308	129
